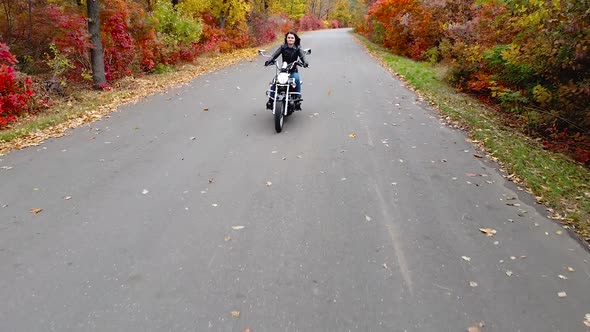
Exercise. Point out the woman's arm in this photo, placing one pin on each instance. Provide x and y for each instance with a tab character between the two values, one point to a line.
302	57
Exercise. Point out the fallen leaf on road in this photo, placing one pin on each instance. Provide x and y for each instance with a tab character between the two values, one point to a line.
268	183
211	180
237	227
471	174
352	135
35	211
205	110
466	258
246	330
385	266
488	231
509	273
476	328
214	205
145	191
477	156
473	284
562	294
558	232
227	238
562	277
368	218
570	269
587	320
235	314
67	198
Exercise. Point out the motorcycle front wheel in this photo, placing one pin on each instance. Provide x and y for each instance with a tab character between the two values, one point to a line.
279	118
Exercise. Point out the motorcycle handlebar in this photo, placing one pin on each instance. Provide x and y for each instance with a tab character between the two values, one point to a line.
291	65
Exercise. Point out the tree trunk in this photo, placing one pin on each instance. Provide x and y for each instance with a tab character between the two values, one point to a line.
96	54
30	23
7	6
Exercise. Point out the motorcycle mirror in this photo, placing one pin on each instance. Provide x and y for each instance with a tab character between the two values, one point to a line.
307	51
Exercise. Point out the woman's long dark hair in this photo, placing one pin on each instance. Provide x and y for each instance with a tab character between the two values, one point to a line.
297	39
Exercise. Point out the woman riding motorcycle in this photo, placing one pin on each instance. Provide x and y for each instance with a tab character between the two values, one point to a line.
290	51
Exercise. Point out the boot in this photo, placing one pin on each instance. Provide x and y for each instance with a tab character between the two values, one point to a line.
298	104
269	104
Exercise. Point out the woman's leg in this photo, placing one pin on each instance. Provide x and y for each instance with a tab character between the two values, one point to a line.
297	81
297	89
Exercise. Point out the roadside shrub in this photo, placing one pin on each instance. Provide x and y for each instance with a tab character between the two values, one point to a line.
310	22
15	91
122	55
72	43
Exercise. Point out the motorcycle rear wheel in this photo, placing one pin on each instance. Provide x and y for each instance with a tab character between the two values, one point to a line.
279	117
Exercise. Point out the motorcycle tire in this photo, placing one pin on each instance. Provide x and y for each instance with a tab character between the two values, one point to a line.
279	117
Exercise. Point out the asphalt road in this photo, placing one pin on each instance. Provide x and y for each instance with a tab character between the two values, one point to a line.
364	214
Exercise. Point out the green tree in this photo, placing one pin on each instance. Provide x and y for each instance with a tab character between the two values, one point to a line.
341	12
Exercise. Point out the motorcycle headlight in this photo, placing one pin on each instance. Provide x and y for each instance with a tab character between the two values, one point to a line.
283	78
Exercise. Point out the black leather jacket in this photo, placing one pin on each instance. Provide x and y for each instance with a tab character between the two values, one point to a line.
289	54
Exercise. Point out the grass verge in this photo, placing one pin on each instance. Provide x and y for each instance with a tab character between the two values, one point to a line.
556	181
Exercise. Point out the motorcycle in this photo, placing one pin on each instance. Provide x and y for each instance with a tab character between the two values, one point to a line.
283	98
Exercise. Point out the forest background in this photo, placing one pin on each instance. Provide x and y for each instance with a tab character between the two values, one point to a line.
528	59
